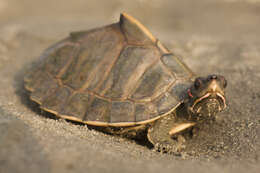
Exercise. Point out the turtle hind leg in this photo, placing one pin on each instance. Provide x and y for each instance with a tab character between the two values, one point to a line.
159	135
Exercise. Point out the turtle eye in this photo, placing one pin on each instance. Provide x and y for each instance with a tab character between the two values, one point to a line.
198	83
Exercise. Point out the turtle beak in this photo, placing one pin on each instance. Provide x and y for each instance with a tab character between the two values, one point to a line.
216	91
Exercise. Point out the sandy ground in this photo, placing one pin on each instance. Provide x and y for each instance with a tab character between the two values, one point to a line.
216	36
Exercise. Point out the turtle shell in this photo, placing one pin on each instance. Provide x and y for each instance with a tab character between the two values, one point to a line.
116	75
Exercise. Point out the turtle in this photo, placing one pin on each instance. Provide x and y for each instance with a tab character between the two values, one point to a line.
122	79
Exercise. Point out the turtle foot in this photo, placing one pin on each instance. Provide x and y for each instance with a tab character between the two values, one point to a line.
171	147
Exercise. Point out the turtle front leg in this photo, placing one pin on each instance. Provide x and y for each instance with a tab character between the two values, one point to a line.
165	135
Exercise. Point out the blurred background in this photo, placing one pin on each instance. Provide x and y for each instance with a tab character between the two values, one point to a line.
207	17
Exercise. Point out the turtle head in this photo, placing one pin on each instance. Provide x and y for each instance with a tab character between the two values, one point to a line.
207	97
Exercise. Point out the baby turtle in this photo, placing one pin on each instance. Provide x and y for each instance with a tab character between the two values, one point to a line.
121	78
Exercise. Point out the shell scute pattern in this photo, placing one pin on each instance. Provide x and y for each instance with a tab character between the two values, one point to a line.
116	74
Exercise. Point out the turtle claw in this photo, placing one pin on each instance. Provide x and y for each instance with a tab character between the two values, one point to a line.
164	148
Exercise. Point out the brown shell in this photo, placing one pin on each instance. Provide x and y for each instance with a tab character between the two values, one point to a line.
117	75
